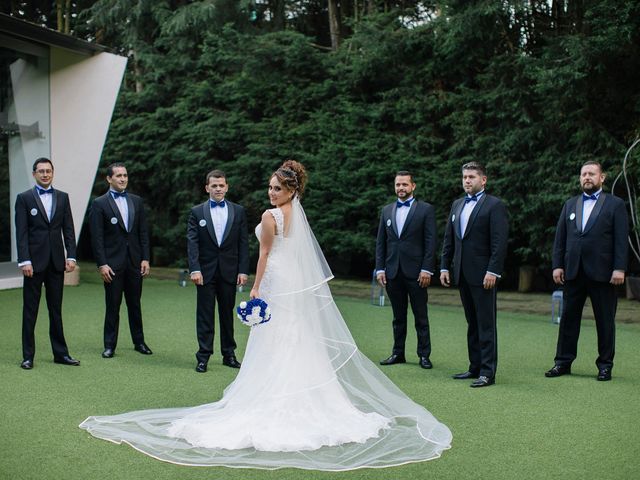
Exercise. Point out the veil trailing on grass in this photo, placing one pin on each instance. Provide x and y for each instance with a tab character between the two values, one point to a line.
305	397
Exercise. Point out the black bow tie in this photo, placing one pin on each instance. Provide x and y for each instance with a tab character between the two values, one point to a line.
214	204
118	194
593	196
403	204
472	198
42	191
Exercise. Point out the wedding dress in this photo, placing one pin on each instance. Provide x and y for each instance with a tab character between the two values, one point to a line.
305	397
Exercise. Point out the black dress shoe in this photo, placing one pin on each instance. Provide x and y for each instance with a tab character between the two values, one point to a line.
425	363
465	375
201	367
231	361
27	364
143	349
108	353
393	359
67	360
482	381
557	371
604	374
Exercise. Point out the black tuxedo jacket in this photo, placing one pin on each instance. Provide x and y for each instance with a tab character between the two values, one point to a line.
483	247
42	241
113	243
231	257
414	248
601	248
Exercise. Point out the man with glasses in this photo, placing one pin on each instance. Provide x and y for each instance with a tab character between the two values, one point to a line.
44	229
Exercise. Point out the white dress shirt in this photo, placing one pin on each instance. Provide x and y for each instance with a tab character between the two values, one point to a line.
587	208
219	216
123	207
466	212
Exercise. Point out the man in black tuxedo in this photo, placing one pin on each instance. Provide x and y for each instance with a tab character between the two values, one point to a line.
589	259
44	229
120	240
218	250
473	253
405	250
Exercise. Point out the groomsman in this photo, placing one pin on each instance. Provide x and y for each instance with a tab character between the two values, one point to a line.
44	229
475	246
589	259
218	251
405	250
120	240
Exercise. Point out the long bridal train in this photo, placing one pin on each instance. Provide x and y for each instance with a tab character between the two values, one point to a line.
305	397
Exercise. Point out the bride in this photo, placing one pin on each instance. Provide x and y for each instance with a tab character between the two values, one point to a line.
305	397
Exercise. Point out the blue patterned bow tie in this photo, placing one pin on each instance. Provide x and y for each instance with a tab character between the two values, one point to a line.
42	191
118	194
403	204
214	204
472	198
593	196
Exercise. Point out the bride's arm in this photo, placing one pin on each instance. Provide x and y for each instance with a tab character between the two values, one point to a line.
266	241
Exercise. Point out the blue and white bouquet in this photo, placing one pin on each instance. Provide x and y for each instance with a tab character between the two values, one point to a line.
254	312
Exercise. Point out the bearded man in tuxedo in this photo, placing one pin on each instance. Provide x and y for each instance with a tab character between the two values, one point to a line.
589	260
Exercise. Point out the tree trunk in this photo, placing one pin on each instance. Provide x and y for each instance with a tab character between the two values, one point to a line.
279	17
67	17
60	17
334	24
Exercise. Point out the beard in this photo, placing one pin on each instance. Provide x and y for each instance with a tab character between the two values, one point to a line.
590	189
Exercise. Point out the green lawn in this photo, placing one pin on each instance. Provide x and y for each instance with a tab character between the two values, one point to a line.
524	427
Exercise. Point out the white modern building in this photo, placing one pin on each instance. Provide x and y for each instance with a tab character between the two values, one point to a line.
57	95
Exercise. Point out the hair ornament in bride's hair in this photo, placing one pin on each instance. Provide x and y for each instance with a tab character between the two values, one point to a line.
293	176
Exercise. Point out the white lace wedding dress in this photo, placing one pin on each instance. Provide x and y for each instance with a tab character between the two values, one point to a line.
305	396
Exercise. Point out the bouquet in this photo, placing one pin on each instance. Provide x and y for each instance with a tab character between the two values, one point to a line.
254	312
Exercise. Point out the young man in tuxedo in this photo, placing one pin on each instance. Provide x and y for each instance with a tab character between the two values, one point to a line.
473	253
218	251
405	250
44	229
589	259
120	240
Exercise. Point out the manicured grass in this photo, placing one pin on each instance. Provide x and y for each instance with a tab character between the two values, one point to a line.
524	427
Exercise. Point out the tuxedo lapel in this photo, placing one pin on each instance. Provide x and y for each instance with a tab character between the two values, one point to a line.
456	219
394	224
40	205
116	211
597	208
54	204
230	216
578	214
412	211
206	215
131	213
474	213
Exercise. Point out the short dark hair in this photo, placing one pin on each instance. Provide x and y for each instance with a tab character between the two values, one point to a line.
42	160
477	166
215	174
111	167
405	173
593	162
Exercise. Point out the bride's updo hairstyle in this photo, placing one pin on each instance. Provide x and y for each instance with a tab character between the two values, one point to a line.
292	176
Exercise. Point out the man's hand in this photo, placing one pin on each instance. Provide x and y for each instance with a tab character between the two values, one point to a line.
382	279
197	279
444	279
558	276
69	266
145	268
27	270
424	279
106	273
489	281
617	277
242	279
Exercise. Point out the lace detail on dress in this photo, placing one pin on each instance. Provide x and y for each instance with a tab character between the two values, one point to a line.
278	216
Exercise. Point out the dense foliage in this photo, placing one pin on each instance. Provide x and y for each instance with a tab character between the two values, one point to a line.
530	88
